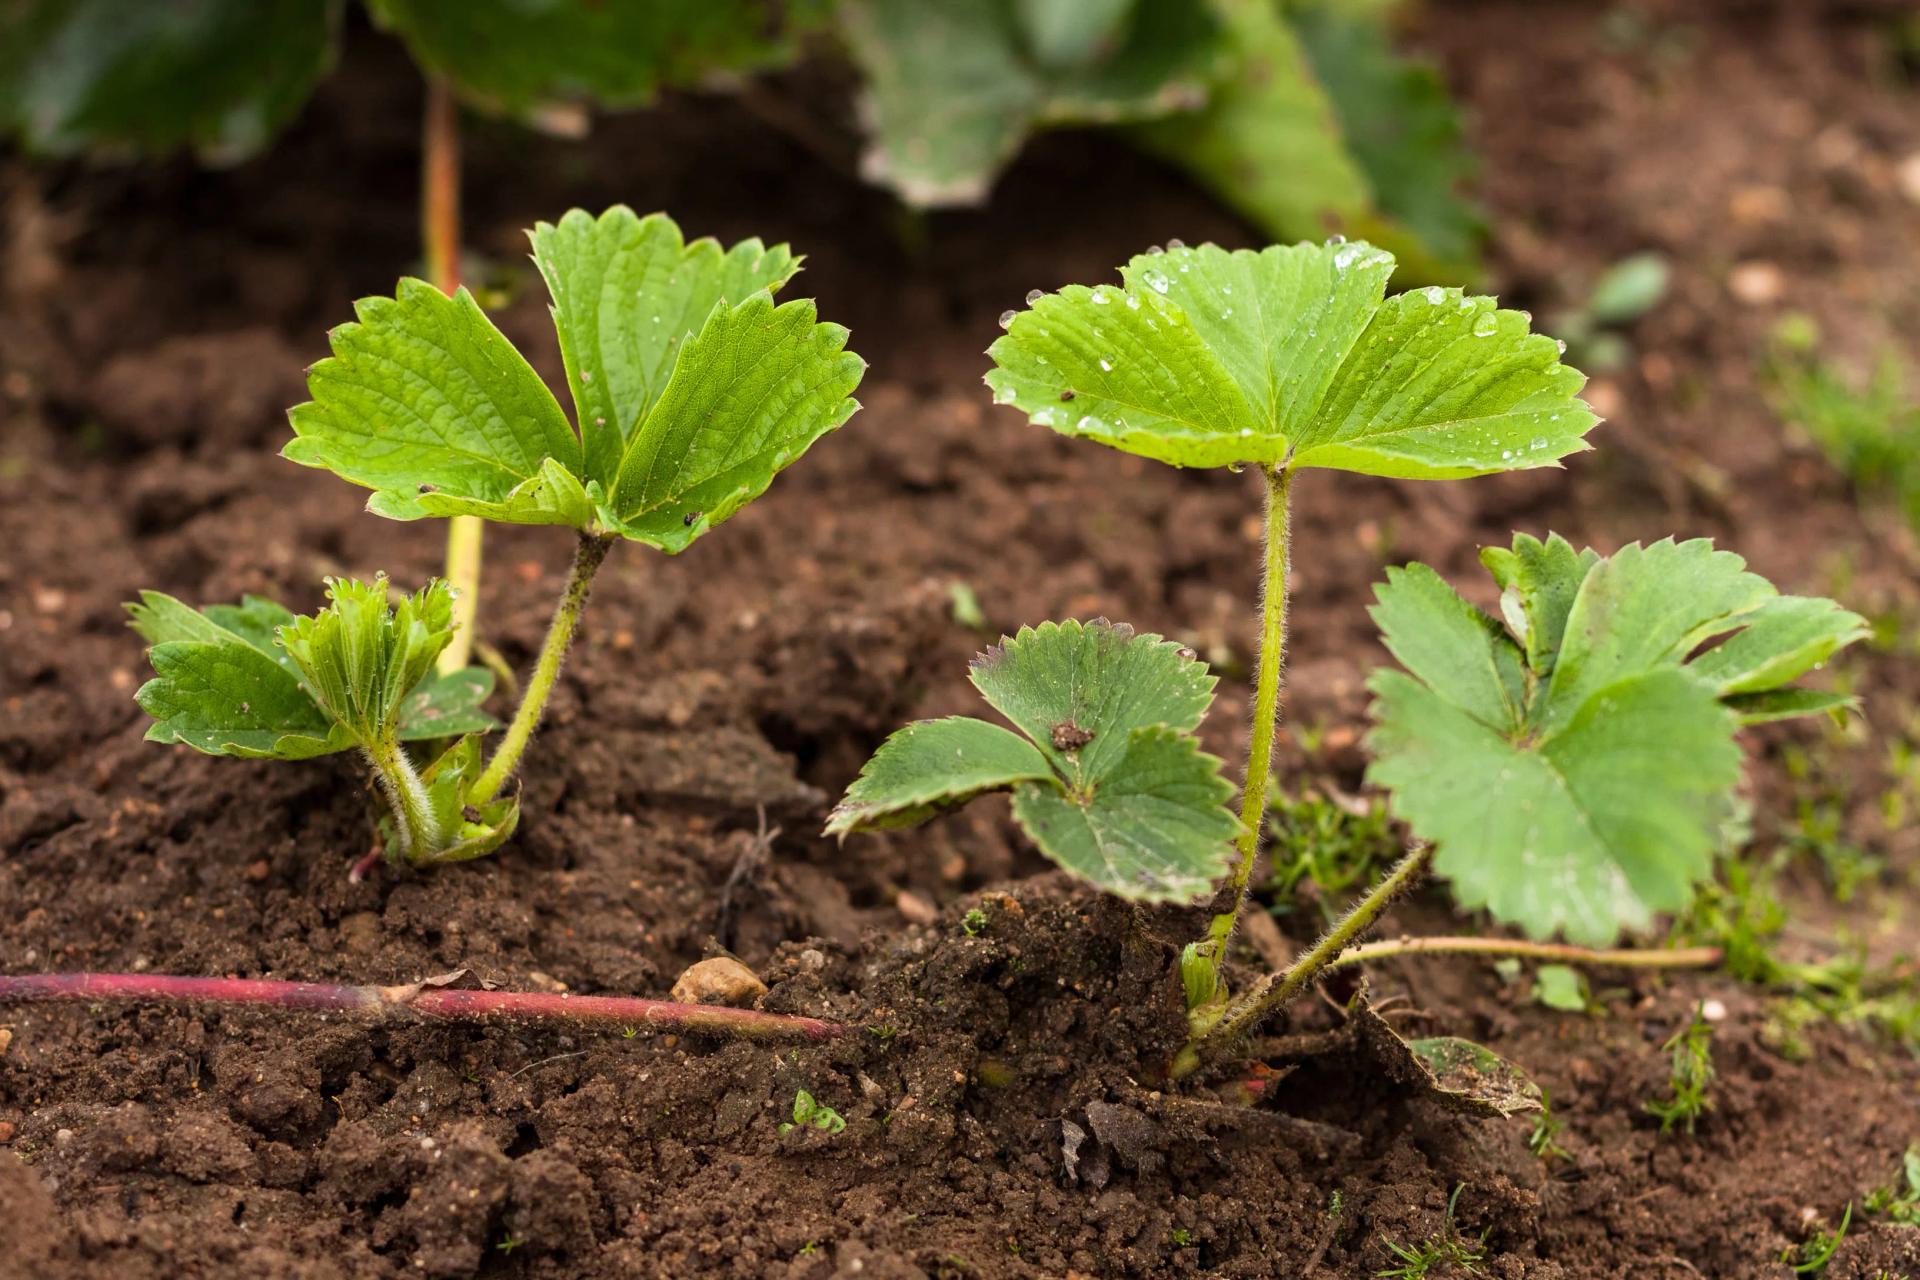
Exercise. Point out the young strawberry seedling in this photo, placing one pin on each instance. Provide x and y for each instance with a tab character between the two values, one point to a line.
692	390
1574	764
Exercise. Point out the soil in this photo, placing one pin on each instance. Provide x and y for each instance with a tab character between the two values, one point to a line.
154	326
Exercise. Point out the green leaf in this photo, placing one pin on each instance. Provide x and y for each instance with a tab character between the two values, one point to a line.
1561	987
118	80
1601	802
1291	355
747	397
1080	689
953	87
1154	828
469	831
226	698
518	56
1271	144
1782	640
427	403
1110	786
627	294
446	705
1788	704
931	766
1630	288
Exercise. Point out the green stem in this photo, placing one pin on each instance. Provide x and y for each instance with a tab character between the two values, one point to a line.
1212	950
416	833
592	550
1277	989
1560	953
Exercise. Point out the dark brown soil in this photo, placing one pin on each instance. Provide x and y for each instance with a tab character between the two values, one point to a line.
153	328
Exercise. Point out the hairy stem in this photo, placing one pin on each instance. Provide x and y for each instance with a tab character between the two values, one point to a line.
1246	1013
1671	958
414	1000
417	834
587	556
1266	708
440	243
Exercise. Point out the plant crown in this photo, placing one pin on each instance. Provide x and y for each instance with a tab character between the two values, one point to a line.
1574	762
1105	773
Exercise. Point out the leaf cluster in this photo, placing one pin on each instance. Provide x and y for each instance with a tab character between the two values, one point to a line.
811	1114
1105	773
1574	761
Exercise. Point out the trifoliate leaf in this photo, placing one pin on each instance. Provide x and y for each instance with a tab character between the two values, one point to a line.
935	765
953	87
1291	355
112	78
695	388
1596	796
225	683
1108	781
517	56
628	292
748	396
425	401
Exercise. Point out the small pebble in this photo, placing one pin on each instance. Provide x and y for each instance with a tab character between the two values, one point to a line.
6	1133
1755	283
1713	1010
6	1041
915	908
719	980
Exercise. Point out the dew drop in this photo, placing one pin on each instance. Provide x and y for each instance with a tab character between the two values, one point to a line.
1246	431
1336	239
1435	294
1236	467
1227	313
1088	423
1006	319
1100	299
1154	248
1133	302
1176	244
1104	366
1484	327
1155	280
1003	395
1562	344
1033	296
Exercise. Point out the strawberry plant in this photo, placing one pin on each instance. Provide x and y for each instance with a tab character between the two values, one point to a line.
1572	763
692	390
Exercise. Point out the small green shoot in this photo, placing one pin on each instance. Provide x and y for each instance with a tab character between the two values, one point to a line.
1105	773
1899	1201
1689	1076
1625	292
809	1114
974	923
1448	1248
1562	987
1182	1238
1811	1256
1543	1139
1322	851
